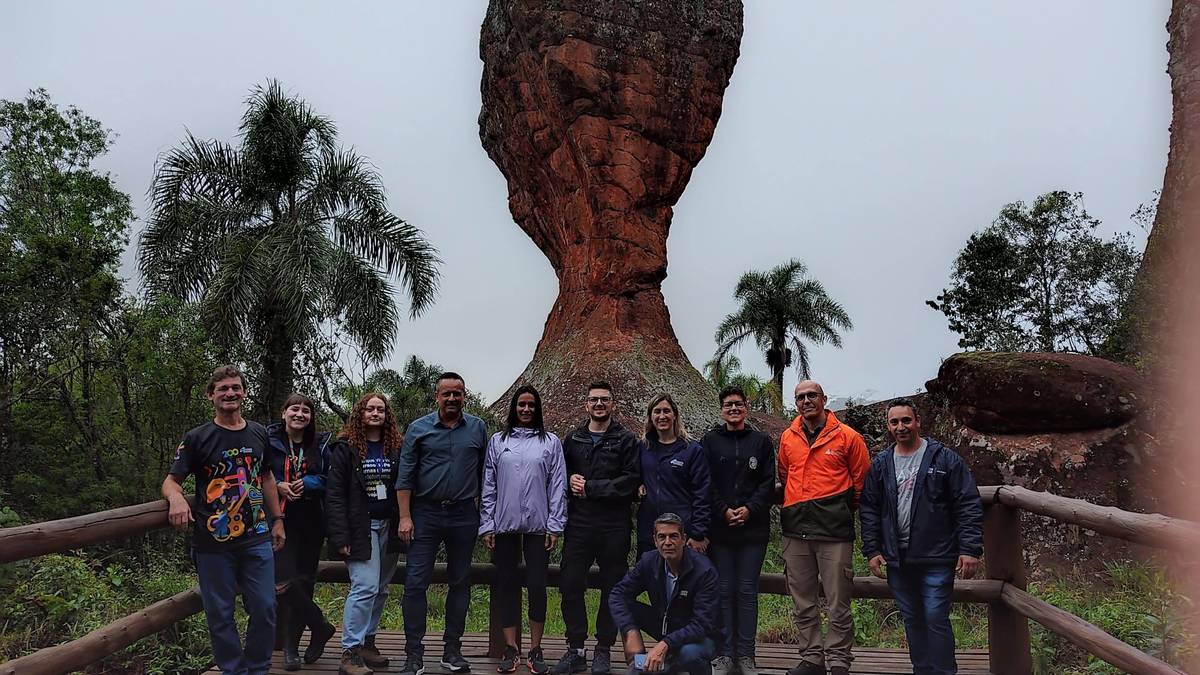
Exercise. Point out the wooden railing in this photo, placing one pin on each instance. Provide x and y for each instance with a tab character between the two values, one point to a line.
1010	606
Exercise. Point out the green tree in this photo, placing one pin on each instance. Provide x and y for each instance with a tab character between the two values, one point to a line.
63	225
781	309
279	234
1039	279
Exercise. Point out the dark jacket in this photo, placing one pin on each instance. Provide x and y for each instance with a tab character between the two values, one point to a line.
318	461
689	616
742	468
610	470
677	481
348	522
947	513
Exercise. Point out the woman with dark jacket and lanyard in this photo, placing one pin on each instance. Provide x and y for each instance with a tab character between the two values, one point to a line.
360	504
523	512
742	460
299	463
675	477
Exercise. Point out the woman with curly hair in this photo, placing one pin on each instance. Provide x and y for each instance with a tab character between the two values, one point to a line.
299	461
360	506
524	510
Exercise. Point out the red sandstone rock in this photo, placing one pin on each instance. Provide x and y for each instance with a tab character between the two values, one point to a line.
596	112
1012	393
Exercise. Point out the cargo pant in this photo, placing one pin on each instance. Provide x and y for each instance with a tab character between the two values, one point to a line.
827	564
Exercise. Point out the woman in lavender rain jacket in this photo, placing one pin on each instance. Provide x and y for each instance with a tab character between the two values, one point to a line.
523	511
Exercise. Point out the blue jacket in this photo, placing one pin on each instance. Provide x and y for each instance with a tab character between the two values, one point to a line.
947	513
677	481
689	616
314	479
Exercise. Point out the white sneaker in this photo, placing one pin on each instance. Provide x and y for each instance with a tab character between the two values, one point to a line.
722	665
747	665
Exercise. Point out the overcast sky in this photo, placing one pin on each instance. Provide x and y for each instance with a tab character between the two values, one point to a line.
868	139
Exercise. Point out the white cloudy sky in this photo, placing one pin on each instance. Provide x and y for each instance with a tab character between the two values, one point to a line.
867	139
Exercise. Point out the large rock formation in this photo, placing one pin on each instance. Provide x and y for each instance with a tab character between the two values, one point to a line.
597	111
1069	424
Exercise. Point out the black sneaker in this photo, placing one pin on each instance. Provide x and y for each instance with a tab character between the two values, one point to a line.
806	668
537	662
453	661
510	660
571	662
601	661
413	665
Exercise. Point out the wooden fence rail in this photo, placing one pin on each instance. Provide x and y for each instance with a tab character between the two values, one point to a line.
1009	605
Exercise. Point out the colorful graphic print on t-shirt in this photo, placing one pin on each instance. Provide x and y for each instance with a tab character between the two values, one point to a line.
234	495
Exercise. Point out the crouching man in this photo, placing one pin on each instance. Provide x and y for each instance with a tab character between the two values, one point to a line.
683	609
922	518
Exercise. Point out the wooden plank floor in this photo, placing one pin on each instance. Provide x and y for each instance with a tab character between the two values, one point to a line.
773	659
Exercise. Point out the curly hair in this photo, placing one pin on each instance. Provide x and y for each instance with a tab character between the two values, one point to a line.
354	431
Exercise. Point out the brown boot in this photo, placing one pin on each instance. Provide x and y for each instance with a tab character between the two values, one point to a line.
371	655
352	663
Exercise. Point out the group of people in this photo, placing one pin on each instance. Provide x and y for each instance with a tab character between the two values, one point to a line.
267	498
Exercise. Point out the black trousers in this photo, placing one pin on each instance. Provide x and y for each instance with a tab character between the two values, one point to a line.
609	549
506	557
296	564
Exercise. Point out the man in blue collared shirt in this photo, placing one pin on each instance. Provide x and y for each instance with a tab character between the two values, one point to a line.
437	486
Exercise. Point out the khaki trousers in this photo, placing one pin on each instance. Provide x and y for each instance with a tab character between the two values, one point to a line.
809	563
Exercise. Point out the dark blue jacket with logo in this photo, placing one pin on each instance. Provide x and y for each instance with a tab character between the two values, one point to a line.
677	481
947	513
689	616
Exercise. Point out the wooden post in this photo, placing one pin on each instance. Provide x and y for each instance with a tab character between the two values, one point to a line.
1008	631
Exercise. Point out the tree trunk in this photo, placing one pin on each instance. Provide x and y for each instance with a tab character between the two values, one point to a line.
596	114
777	399
278	371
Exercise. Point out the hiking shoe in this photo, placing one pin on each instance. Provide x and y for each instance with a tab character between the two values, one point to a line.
291	657
839	670
601	661
747	665
371	655
453	661
806	668
413	665
537	662
317	641
722	665
352	663
571	662
510	660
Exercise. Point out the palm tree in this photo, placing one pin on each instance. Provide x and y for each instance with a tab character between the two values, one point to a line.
276	236
780	309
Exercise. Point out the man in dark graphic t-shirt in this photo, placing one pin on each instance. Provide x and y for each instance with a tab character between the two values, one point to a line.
237	523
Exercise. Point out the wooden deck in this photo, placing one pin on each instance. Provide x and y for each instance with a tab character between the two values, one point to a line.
773	659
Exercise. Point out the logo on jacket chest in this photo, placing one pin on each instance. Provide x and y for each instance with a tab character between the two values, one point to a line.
753	463
677	463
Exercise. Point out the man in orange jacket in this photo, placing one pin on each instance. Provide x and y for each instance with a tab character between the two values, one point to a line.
822	466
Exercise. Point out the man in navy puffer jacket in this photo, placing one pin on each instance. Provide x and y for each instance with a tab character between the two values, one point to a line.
922	517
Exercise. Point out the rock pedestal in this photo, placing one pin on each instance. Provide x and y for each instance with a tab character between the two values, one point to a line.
596	112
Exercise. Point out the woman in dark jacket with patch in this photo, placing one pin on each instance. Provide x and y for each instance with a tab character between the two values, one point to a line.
675	476
741	460
361	510
299	462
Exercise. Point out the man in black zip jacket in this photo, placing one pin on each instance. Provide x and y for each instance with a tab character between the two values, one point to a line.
682	614
922	517
741	460
602	480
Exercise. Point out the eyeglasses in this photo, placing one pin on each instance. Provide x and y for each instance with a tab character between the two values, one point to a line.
599	399
809	396
732	405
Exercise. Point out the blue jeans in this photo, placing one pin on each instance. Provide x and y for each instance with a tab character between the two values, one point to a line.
738	567
923	595
369	587
221	574
694	658
457	525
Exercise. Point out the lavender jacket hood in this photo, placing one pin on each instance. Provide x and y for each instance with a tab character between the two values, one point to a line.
524	484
